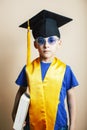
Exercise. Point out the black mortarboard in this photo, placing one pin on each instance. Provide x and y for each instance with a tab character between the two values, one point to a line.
46	24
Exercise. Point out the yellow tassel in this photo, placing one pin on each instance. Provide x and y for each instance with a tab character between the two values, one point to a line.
28	45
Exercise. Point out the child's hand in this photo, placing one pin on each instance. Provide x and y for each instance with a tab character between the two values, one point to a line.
24	124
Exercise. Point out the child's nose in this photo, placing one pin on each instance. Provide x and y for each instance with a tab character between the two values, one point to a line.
46	44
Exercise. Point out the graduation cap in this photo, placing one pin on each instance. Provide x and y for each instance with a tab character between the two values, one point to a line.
44	24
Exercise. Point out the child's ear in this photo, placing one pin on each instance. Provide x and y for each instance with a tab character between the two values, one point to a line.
60	42
35	44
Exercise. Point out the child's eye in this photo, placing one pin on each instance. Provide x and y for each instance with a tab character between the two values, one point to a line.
41	40
51	40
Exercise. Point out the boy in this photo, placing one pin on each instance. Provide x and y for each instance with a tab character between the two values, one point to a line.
49	79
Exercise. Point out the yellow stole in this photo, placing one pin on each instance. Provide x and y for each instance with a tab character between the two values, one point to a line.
44	94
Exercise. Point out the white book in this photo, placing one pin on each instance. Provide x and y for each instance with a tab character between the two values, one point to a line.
21	112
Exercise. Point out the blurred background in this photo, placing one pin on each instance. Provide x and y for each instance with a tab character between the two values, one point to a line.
13	46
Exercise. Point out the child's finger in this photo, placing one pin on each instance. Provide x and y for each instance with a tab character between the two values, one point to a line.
24	124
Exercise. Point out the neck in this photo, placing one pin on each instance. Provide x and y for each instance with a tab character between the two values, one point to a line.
46	60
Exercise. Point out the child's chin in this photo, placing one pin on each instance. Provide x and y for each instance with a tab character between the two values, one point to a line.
47	56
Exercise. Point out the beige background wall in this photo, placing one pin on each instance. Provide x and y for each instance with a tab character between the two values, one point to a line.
13	49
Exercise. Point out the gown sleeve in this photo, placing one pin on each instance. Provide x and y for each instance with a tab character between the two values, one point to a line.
22	79
70	78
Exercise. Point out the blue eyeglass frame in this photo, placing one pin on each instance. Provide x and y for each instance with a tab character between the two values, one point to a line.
51	40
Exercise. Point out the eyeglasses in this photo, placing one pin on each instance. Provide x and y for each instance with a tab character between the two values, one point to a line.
51	40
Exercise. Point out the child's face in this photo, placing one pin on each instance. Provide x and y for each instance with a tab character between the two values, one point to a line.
46	46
